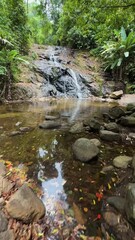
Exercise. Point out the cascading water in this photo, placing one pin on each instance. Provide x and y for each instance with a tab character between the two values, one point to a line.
77	85
61	80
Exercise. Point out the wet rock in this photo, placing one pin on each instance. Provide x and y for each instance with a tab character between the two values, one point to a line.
2	169
49	125
107	117
133	163
117	202
25	129
116	112
109	135
14	133
112	219
116	94
130	202
122	161
24	205
94	124
3	222
2	202
7	235
51	117
112	127
96	142
85	150
77	128
107	169
127	121
18	124
5	185
130	107
133	114
132	135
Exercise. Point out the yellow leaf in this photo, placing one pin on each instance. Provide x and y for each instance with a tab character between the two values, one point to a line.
94	202
83	237
55	231
40	234
85	209
109	186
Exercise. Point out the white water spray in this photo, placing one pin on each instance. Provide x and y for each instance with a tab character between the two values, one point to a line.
77	85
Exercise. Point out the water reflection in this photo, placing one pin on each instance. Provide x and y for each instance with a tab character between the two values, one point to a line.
42	152
53	188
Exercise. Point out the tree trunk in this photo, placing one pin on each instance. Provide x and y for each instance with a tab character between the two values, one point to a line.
9	82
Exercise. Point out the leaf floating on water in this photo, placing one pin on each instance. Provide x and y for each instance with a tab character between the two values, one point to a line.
81	198
41	179
99	196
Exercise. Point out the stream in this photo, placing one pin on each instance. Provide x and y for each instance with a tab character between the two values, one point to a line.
69	186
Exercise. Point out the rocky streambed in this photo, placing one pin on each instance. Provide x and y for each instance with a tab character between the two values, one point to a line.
81	155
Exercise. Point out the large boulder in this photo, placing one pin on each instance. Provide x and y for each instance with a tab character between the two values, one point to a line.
130	202
24	205
116	94
85	150
127	121
116	112
109	135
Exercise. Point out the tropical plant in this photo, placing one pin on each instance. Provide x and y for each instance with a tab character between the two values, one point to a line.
9	60
119	53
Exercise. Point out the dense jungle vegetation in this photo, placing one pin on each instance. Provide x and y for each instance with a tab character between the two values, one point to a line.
105	28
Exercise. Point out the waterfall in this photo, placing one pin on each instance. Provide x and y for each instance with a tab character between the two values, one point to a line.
77	85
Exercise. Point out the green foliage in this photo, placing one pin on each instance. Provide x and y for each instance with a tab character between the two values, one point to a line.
119	53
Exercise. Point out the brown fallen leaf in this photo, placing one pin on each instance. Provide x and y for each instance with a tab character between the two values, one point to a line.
79	215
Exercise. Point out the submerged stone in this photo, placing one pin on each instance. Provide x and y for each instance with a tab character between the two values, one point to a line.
122	161
128	121
130	202
85	150
112	127
117	202
49	125
109	135
77	128
116	112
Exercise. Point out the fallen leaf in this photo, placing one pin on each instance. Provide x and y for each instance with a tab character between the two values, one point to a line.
85	209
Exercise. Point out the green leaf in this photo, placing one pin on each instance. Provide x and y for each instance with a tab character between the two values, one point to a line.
119	62
126	54
123	34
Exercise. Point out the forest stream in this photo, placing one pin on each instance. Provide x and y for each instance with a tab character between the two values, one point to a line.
74	192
